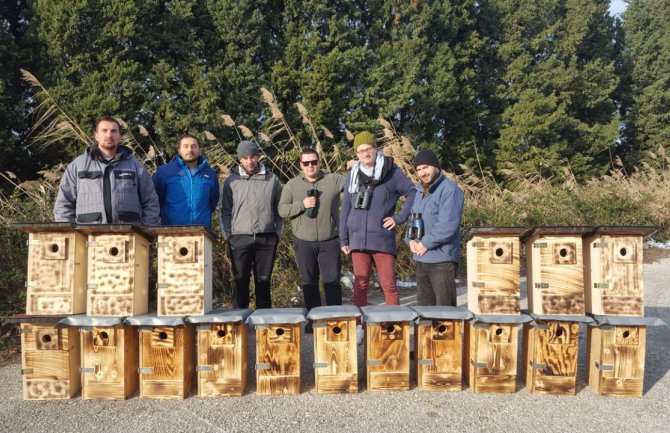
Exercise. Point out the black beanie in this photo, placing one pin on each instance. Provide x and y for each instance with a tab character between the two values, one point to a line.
426	157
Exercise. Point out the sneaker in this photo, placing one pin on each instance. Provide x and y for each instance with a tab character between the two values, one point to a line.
360	334
308	328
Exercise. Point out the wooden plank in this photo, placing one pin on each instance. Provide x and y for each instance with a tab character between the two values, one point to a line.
278	348
387	345
551	358
335	356
50	362
493	362
223	350
441	344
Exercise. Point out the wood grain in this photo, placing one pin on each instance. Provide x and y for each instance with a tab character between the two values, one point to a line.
387	344
113	354
50	361
278	347
441	344
492	357
336	369
550	357
620	350
223	348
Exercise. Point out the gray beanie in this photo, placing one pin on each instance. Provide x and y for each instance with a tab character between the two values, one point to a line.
246	148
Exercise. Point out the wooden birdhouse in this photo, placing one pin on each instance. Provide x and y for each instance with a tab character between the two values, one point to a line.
118	270
335	355
277	349
551	348
491	353
438	351
613	274
49	359
167	356
494	269
387	346
184	270
221	352
56	277
555	270
616	354
109	357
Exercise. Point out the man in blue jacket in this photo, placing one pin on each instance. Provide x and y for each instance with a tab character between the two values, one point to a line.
187	187
440	203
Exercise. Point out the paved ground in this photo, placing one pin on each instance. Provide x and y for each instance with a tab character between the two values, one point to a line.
412	411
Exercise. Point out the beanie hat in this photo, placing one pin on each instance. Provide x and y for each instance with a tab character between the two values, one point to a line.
364	137
246	148
426	157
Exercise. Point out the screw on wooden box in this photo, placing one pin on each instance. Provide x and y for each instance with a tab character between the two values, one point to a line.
387	346
493	268
277	349
56	274
118	269
184	283
491	352
438	352
222	352
335	352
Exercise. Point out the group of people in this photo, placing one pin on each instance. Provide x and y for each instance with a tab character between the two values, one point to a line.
329	213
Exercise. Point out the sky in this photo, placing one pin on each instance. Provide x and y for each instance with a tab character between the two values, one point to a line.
617	7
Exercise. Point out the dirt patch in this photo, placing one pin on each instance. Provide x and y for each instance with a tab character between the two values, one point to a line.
653	255
10	355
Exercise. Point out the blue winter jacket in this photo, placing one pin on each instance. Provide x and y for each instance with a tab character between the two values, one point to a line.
185	198
362	229
441	211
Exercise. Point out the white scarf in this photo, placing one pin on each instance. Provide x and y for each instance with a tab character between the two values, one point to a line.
379	165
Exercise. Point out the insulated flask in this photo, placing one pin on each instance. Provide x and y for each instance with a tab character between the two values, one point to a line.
415	229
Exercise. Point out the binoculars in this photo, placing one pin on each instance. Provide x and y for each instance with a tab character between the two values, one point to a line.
312	212
415	229
363	199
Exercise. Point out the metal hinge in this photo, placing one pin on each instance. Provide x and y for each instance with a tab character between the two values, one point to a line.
145	370
203	368
162	244
478	284
91	244
162	285
373	362
600	245
479	364
601	285
537	366
320	365
426	362
540	245
604	367
541	326
318	325
26	371
541	285
87	370
33	242
479	244
262	366
32	284
91	286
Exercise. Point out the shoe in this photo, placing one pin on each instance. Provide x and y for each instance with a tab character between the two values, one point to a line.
308	328
360	334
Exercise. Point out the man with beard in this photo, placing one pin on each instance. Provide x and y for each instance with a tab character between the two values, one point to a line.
106	184
440	204
251	224
187	187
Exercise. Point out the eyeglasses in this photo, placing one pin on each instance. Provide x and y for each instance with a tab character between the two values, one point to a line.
314	162
366	150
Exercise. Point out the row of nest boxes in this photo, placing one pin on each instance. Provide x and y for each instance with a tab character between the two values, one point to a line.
570	270
103	270
164	356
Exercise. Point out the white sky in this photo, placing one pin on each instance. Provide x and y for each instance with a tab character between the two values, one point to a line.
617	7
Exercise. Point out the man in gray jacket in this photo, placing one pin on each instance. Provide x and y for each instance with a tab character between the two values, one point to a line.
251	224
311	201
107	184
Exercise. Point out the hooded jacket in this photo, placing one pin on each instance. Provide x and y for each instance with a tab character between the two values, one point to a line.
93	190
362	229
186	198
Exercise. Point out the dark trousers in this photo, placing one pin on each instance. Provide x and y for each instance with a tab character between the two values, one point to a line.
257	253
436	283
319	257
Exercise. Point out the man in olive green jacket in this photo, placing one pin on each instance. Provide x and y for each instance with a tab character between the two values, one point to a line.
311	201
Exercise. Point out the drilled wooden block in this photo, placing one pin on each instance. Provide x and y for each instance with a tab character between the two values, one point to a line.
49	361
222	359
439	355
278	359
491	361
335	360
109	361
387	356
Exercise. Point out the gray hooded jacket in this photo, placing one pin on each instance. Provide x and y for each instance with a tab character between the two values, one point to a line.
95	191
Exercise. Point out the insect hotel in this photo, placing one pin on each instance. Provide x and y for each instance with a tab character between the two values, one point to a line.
221	352
491	353
167	356
494	269
613	271
555	270
387	346
277	349
49	358
551	348
184	270
438	349
335	355
56	276
118	270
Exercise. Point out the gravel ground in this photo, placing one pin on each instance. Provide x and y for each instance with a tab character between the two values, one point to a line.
411	411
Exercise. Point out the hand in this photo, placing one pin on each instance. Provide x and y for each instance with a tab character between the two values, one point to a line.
388	223
350	164
412	246
309	202
346	250
419	249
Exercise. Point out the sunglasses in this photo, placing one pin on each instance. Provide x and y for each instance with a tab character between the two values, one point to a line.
310	162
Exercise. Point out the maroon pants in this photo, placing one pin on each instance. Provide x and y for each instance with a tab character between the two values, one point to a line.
385	263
